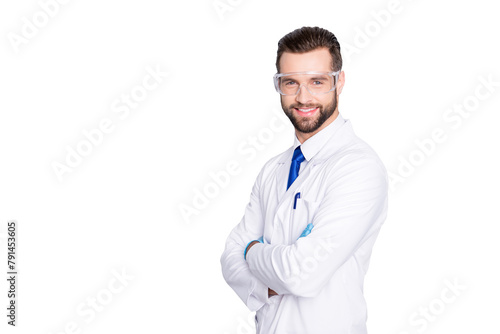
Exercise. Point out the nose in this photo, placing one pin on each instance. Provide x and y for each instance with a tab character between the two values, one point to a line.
303	95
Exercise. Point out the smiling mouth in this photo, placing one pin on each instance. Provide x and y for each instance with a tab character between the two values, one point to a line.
306	111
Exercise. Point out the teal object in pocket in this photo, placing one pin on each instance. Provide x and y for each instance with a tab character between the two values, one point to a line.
306	231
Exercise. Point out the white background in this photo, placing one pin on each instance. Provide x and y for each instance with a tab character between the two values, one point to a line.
119	209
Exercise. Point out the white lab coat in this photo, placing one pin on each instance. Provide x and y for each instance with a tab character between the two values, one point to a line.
319	278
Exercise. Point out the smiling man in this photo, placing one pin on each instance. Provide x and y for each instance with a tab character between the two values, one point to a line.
301	251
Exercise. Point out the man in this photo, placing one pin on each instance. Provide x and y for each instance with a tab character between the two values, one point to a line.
299	255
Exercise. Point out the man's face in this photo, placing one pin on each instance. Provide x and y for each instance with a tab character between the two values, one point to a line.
309	113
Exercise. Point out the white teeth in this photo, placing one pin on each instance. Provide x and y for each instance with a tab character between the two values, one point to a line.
307	110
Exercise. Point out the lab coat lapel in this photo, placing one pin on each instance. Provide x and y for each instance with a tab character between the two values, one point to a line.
281	177
286	198
339	139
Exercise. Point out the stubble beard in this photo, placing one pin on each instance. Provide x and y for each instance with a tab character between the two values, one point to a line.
308	124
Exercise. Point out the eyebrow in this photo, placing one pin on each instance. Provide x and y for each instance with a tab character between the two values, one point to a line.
323	77
317	76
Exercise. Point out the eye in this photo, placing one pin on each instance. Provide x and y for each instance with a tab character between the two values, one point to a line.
319	81
290	83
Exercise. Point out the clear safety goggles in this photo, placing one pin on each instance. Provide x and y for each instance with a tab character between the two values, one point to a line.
316	83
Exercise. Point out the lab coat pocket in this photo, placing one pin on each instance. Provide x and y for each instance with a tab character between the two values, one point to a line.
302	215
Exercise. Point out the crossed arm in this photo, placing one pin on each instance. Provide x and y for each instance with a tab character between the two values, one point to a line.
305	233
252	291
351	212
270	292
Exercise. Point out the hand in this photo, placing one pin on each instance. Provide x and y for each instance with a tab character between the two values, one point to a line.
271	293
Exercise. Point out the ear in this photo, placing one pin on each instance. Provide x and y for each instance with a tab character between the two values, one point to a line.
340	82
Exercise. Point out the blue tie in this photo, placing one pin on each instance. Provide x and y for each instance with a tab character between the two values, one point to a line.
297	159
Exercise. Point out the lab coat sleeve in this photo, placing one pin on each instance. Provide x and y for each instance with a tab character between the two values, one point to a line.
352	211
234	267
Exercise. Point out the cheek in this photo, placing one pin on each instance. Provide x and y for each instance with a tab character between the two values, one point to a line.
286	101
328	100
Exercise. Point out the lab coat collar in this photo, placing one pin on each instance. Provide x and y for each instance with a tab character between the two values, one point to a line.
313	145
330	140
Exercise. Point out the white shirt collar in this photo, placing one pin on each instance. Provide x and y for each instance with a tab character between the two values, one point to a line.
314	144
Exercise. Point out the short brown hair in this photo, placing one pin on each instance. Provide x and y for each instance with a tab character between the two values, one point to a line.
307	39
